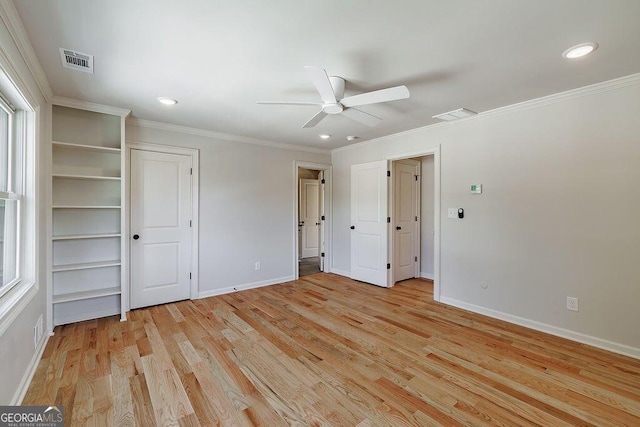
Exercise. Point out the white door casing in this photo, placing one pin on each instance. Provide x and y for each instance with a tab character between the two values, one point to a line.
310	217
369	223
161	218
405	229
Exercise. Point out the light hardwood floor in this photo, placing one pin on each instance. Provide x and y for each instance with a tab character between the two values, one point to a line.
326	350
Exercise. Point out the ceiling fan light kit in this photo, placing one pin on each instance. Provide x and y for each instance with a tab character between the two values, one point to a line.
331	90
460	113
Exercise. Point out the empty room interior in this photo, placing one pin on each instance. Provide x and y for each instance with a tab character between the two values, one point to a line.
320	213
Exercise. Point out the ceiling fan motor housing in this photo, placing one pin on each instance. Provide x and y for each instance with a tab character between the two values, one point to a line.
337	84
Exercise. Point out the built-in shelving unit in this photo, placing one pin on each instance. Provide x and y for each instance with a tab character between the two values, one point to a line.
88	267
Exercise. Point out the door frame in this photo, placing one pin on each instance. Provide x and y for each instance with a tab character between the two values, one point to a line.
435	152
194	154
327	168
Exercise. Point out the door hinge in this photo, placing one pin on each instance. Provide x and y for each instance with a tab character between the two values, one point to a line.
416	177
322	217
190	171
388	173
322	181
189	276
322	254
416	218
388	220
388	266
415	259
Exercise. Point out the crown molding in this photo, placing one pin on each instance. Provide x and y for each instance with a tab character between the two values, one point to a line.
12	21
609	85
223	136
90	106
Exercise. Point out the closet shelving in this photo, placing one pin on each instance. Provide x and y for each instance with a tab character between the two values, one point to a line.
88	268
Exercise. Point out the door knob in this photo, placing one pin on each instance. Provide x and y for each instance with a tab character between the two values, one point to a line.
353	227
398	228
136	237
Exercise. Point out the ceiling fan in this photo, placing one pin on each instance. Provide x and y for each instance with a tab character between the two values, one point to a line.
331	90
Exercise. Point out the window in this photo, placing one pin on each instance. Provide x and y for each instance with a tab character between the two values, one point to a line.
11	198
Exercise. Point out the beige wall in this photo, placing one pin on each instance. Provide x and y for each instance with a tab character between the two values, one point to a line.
557	216
307	173
246	208
427	217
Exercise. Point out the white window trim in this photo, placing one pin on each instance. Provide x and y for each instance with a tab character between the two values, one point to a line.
14	299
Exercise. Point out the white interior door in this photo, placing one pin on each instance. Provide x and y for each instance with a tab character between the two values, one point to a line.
160	227
310	217
369	223
322	219
405	219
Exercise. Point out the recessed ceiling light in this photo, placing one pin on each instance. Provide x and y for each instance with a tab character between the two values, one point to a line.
324	136
579	50
167	101
460	113
352	138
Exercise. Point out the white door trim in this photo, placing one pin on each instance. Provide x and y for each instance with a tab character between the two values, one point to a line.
194	153
328	206
435	152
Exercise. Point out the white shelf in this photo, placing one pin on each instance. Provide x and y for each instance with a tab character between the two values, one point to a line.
86	147
86	236
88	223
85	207
86	265
87	177
83	295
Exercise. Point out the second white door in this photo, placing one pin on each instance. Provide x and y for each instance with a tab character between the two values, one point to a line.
406	235
310	217
160	228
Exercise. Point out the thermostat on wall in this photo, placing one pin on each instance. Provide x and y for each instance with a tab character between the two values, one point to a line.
476	189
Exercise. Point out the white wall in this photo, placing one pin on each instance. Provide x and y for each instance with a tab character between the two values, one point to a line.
426	217
557	216
18	356
246	208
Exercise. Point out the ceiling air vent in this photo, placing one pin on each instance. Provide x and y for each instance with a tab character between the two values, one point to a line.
76	60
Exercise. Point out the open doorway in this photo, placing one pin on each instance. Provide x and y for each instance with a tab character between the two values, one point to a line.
309	221
311	218
412	208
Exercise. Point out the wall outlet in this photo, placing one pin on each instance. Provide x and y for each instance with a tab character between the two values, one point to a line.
572	303
257	265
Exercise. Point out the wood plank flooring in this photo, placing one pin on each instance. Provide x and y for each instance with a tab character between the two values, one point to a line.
326	350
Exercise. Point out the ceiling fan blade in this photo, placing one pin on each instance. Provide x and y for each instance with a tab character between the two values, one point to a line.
361	116
321	81
287	103
315	119
382	95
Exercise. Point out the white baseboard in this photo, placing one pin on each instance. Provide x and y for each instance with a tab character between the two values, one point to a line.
231	289
549	329
31	370
341	272
429	276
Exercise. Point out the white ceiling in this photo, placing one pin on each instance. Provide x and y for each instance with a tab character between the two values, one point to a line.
219	57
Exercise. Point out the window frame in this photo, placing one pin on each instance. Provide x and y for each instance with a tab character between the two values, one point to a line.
15	179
